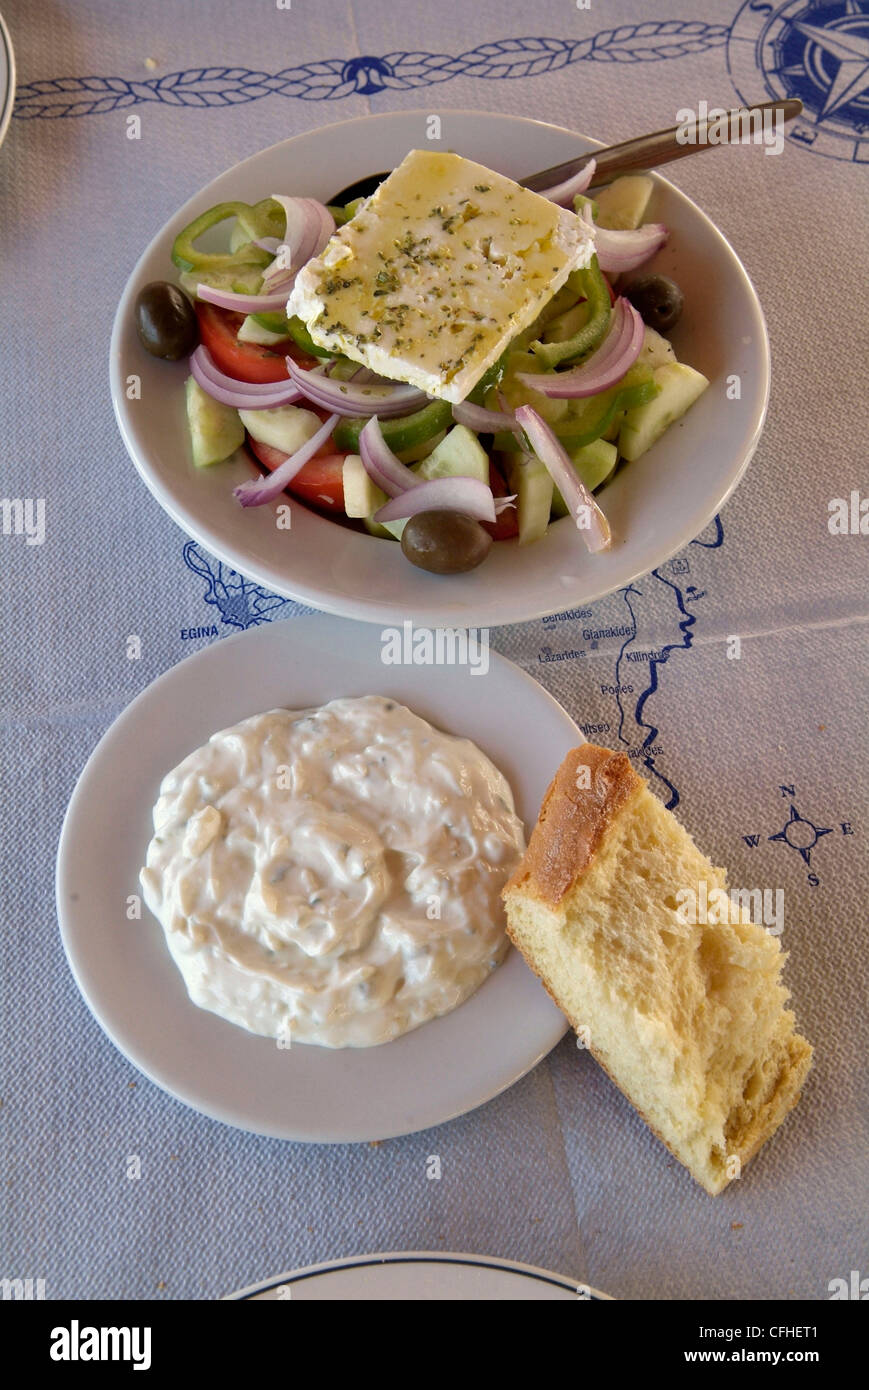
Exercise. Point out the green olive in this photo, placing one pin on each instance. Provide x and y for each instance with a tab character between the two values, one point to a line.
658	300
445	542
166	321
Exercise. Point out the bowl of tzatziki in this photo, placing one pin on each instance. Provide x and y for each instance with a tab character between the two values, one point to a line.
279	879
332	876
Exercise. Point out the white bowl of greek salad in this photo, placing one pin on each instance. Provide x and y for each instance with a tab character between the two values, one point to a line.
452	400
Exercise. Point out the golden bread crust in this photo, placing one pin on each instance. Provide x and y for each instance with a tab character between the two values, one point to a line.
573	821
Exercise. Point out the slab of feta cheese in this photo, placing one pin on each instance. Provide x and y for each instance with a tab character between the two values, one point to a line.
437	271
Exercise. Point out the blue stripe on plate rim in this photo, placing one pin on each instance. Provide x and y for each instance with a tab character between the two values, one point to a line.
559	1281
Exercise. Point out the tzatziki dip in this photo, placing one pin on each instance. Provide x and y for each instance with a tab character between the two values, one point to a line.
333	875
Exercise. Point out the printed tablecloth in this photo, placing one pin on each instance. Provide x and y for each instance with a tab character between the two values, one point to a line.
764	756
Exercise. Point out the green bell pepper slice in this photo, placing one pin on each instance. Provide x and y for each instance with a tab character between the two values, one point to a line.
274	323
186	256
240	278
592	285
575	434
302	338
414	429
581	201
342	215
489	380
265	218
295	329
597	413
400	434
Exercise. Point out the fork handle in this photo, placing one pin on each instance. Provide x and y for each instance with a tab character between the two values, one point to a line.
660	147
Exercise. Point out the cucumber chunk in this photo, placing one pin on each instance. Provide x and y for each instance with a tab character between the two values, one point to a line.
216	430
253	332
533	485
362	496
656	351
679	387
285	427
391	531
593	462
567	325
459	455
622	206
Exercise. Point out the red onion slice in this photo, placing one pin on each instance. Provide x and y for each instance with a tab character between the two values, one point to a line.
355	398
564	193
468	495
366	377
381	464
210	368
276	278
243	395
618	251
589	518
484	421
243	303
618	351
257	491
309	226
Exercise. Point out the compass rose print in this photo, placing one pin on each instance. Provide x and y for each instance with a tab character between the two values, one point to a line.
818	52
802	835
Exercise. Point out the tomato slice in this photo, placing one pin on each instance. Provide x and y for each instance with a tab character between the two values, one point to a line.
320	482
218	329
506	525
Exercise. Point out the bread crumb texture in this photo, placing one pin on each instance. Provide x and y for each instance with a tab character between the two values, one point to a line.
689	1020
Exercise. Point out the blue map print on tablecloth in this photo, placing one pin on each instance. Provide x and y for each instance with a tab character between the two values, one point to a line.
635	728
239	601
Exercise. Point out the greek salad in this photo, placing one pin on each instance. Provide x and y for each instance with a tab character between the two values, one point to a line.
281	326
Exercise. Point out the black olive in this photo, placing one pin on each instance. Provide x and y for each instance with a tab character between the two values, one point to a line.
658	300
166	321
445	542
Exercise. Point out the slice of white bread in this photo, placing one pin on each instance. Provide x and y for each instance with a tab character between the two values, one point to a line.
689	1021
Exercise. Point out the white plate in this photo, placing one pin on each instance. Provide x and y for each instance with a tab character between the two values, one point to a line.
7	79
124	969
417	1276
656	505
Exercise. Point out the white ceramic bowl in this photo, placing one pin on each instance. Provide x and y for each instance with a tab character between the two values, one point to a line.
655	506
